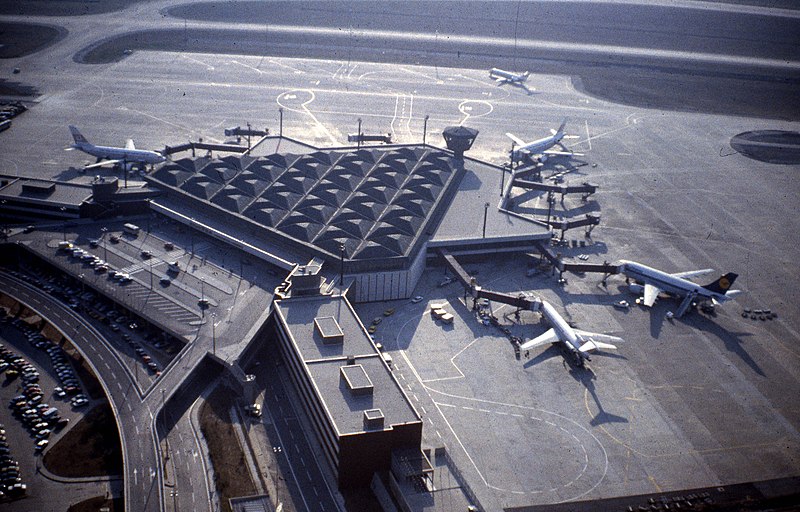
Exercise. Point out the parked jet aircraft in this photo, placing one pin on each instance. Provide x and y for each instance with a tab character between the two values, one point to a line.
578	342
539	149
655	281
503	77
107	155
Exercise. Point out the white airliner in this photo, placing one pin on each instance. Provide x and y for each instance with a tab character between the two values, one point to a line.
655	281
539	150
578	342
503	77
107	155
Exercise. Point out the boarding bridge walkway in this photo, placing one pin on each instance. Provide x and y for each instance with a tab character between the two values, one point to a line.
469	283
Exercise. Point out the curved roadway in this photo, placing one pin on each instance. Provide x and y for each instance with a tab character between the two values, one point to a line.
136	412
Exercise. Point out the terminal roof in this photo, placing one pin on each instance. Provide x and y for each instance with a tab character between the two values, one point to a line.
350	377
375	201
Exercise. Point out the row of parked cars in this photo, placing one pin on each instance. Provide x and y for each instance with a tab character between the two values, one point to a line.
95	262
69	383
40	419
142	354
9	111
66	289
11	486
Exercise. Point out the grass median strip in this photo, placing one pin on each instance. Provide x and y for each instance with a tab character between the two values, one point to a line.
231	476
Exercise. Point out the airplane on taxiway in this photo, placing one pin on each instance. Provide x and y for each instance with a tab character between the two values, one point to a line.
580	343
656	281
539	150
503	77
107	155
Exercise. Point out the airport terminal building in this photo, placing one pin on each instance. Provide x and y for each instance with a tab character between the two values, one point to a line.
371	213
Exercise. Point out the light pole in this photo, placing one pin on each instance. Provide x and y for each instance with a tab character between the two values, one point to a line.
485	214
425	129
341	265
63	210
503	178
214	333
104	230
163	411
280	123
359	132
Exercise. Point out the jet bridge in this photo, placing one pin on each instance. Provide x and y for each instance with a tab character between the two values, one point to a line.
590	221
470	285
231	148
518	300
584	188
562	266
370	137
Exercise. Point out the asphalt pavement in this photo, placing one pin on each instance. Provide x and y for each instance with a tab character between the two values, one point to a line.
704	400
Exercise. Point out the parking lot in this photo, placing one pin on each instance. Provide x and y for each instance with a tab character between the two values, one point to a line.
144	349
41	394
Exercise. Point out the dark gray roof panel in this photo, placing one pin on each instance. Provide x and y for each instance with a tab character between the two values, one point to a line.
201	186
232	199
220	171
249	183
173	175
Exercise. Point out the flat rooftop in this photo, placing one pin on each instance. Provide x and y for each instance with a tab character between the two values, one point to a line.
43	192
462	223
350	377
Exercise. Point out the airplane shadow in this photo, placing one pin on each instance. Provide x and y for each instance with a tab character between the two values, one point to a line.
732	340
586	376
656	321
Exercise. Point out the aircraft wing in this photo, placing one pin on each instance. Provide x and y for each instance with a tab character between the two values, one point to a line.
102	163
501	80
549	336
593	336
650	294
129	144
693	273
592	345
519	142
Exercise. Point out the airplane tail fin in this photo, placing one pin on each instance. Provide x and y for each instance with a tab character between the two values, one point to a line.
77	136
526	74
723	284
559	134
560	130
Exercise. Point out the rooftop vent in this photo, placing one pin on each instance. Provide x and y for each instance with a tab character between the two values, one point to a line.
358	382
328	328
373	419
39	187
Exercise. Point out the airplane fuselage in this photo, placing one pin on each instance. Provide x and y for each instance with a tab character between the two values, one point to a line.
542	144
667	282
511	77
563	330
128	155
538	146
